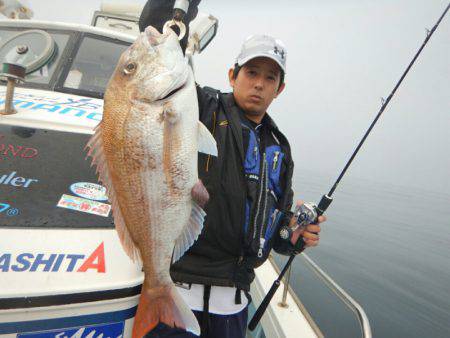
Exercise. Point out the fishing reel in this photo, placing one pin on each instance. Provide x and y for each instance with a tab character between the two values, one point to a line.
307	213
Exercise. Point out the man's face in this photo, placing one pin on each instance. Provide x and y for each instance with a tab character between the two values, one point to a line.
256	85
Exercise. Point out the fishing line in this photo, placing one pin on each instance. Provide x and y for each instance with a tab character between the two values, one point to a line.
309	212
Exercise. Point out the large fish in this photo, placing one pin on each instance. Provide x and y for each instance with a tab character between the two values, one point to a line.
145	149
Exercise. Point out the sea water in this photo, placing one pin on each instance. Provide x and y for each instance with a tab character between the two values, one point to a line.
388	246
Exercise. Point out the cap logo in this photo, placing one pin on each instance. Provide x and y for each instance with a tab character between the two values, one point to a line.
279	51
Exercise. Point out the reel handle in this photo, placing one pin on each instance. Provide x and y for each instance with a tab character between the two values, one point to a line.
307	213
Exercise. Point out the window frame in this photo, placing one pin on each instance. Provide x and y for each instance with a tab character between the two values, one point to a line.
62	78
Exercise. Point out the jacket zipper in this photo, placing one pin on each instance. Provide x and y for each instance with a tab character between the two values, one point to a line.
262	240
255	222
275	161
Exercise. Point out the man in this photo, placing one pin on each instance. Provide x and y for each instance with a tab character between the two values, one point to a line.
249	184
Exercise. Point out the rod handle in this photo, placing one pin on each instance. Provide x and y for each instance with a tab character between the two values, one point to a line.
263	306
323	205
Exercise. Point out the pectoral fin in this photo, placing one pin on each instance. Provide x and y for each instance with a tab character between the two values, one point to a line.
200	194
206	142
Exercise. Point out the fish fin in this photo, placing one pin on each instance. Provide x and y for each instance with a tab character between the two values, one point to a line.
95	146
199	194
206	142
163	305
190	232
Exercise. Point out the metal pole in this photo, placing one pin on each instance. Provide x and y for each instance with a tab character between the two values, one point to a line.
9	107
287	279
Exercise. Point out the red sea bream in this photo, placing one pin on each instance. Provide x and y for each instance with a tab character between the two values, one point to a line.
145	149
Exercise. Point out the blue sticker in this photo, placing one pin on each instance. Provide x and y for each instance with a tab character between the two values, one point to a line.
6	209
82	108
88	190
114	330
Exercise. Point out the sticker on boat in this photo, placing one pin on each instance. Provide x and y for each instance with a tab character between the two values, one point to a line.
54	262
8	210
113	330
90	191
84	205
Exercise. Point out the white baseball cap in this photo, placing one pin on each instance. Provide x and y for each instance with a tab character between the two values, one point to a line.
263	46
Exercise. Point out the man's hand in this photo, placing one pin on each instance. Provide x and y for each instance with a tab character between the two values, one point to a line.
310	233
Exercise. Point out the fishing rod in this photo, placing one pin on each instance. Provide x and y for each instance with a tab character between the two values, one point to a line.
308	213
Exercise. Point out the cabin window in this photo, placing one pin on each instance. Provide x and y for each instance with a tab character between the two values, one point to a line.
94	64
45	181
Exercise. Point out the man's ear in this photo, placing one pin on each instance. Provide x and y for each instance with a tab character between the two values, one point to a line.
280	89
230	77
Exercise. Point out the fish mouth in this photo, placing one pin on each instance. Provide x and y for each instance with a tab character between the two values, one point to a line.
154	37
172	93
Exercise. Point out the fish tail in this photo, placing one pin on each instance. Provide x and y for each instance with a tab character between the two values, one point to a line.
163	305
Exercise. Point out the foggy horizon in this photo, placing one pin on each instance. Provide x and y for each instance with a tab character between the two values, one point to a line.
342	58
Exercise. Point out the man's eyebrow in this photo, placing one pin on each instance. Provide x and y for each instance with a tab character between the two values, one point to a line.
274	72
252	66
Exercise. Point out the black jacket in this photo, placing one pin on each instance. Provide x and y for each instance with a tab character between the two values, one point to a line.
242	222
226	252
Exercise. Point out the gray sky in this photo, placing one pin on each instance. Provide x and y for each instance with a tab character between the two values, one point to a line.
343	56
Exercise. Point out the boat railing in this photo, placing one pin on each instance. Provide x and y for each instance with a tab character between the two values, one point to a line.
352	304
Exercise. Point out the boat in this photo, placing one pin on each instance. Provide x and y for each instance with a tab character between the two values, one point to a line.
63	272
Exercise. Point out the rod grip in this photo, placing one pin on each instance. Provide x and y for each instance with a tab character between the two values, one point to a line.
324	203
263	306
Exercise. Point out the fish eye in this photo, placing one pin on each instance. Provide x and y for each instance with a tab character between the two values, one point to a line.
130	68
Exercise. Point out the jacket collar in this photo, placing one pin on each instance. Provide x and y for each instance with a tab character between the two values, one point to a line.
234	112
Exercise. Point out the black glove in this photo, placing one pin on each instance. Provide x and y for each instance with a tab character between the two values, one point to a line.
157	12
